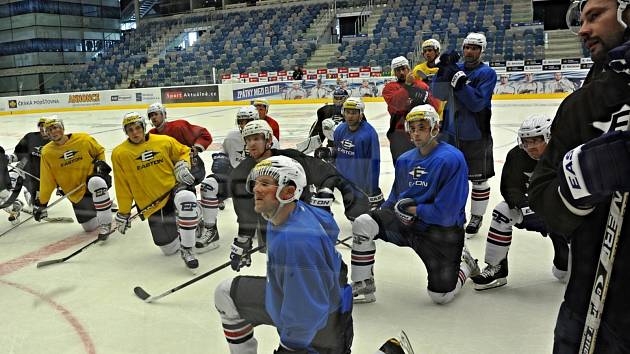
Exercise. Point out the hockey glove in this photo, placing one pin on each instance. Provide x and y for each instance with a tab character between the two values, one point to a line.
328	128
531	221
39	212
182	173
591	172
417	96
376	199
123	223
325	153
448	58
323	198
400	208
239	256
221	164
101	168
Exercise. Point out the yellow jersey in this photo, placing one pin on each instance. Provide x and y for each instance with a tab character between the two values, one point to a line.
145	172
423	72
67	166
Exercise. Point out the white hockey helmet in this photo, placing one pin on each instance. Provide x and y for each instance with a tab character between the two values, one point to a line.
285	170
422	112
260	101
574	14
399	62
431	43
258	126
474	38
156	107
535	125
133	118
53	121
353	103
247	113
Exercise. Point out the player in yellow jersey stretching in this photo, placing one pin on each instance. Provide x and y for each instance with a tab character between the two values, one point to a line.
155	169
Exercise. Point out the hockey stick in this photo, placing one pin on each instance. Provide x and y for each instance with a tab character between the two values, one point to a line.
61	260
146	297
604	268
343	242
48	207
59	219
20	171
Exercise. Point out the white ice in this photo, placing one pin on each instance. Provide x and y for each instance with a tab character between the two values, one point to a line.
86	305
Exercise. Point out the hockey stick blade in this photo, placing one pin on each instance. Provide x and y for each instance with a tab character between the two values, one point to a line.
143	295
146	297
47	263
59	219
405	343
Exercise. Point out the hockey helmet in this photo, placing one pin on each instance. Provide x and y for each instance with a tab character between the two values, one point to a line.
247	113
260	101
353	103
258	126
399	62
431	43
133	118
422	112
285	170
533	126
53	121
573	16
474	38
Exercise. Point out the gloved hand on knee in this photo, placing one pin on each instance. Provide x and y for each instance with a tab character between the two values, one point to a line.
402	212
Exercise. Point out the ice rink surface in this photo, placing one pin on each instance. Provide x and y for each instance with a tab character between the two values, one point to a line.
86	305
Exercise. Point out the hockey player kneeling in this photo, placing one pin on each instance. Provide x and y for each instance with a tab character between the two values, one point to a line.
305	294
73	161
154	171
533	136
424	211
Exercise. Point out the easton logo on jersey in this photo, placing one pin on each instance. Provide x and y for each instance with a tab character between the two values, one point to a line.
68	154
69	157
618	120
148	159
346	147
416	174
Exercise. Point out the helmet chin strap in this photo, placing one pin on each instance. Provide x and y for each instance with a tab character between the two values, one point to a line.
432	137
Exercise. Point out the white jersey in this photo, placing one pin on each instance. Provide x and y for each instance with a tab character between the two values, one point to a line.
320	92
562	85
295	94
234	147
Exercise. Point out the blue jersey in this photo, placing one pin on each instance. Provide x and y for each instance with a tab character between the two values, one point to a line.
302	274
437	182
468	111
358	156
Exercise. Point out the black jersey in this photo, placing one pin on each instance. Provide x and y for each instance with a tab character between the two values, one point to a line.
600	106
328	111
29	150
515	176
319	174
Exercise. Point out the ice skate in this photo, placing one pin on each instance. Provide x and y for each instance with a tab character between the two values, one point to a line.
208	239
470	262
14	212
104	231
473	225
189	259
493	276
363	291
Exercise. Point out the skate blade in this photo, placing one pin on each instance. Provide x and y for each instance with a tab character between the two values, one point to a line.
494	284
364	299
211	247
193	271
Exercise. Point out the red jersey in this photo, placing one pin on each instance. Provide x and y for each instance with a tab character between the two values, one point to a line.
186	133
274	126
397	99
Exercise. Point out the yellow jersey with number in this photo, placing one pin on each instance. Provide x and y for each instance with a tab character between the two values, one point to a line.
145	172
67	166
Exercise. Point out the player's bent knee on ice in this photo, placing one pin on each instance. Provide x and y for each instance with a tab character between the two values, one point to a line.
364	229
90	225
170	248
223	302
441	298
